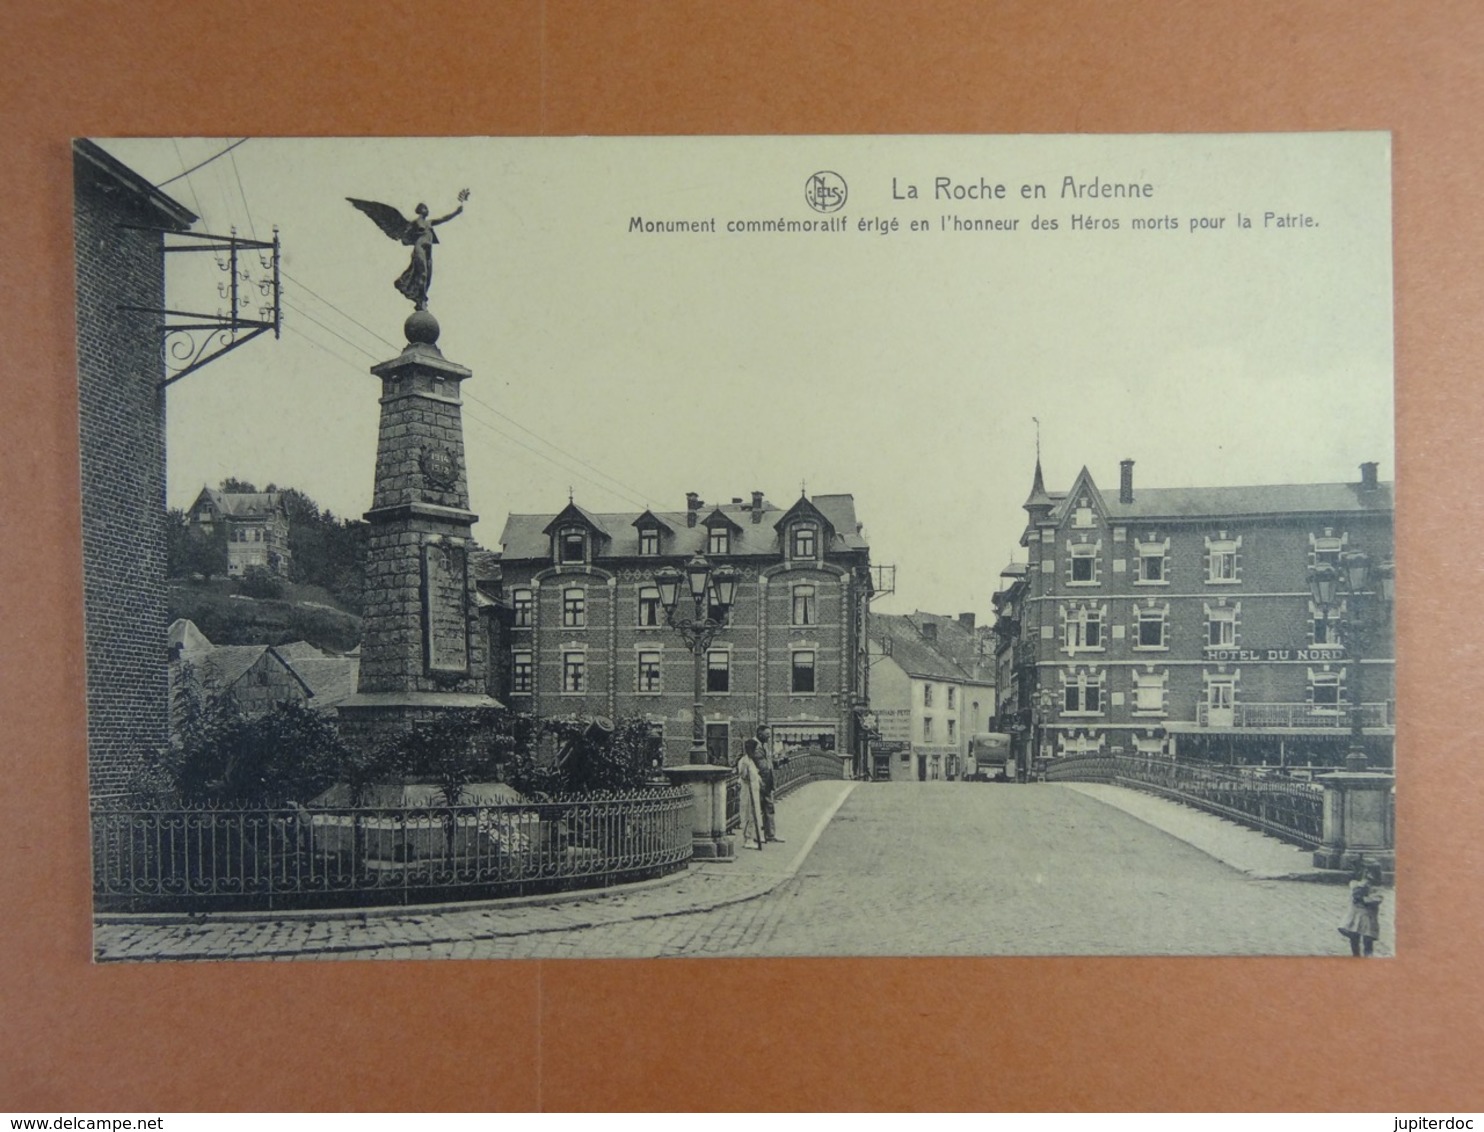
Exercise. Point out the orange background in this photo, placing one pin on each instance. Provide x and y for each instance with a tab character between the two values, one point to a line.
1095	1034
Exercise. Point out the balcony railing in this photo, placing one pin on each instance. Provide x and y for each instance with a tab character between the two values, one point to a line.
1309	716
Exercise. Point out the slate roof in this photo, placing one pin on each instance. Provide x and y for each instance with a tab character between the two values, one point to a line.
224	665
959	644
1236	502
912	652
525	536
242	504
331	679
298	650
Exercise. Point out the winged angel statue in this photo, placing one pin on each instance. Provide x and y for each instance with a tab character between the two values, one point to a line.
419	235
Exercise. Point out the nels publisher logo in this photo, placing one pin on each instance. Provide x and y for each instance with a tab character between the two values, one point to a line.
825	191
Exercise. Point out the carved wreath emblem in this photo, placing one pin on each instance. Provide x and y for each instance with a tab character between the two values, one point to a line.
439	468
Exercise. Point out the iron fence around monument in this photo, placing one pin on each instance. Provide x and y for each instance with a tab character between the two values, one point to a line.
201	859
1288	809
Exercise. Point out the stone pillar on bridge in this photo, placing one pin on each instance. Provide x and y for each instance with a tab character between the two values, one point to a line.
708	787
1359	821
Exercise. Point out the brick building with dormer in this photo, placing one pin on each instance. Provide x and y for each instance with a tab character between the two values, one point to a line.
587	634
1179	622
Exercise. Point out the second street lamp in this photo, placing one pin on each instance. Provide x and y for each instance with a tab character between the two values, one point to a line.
1353	578
712	591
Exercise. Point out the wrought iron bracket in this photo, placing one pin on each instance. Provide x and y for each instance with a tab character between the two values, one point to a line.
251	287
697	632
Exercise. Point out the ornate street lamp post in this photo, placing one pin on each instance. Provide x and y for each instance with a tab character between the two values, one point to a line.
1353	579
703	581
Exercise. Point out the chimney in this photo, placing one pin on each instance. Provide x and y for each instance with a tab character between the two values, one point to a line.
692	505
929	630
1368	476
1125	481
967	621
757	507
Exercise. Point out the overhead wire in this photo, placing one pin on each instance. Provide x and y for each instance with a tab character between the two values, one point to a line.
614	486
199	164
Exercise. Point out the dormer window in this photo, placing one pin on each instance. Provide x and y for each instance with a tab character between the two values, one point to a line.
572	547
649	541
805	541
719	541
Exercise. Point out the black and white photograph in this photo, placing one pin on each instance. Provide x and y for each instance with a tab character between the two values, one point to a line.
738	546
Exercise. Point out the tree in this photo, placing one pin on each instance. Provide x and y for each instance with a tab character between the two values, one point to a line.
222	756
234	486
190	550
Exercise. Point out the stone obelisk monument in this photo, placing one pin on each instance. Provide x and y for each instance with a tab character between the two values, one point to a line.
422	652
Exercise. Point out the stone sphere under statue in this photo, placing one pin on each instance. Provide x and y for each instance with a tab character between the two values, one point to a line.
421	327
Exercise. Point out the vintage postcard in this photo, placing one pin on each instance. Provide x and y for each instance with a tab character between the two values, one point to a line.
811	546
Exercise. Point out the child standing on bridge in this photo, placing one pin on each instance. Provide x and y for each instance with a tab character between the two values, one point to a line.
1362	927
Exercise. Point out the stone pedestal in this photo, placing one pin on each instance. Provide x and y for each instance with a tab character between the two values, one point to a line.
708	787
422	653
1359	820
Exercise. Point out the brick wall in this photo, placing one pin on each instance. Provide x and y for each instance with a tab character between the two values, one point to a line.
759	639
122	432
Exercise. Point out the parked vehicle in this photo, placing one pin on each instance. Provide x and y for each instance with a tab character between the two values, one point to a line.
990	759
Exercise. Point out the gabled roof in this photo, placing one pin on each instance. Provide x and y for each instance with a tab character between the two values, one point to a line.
1083	487
803	508
719	518
526	537
242	504
573	513
911	651
650	519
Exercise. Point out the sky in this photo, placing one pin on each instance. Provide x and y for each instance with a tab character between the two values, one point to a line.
906	368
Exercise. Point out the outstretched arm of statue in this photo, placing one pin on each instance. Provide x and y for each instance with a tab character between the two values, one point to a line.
463	196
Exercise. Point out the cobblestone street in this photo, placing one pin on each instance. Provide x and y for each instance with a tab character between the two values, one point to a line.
914	869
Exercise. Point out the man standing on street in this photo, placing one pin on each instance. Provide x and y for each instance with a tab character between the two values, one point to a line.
765	766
